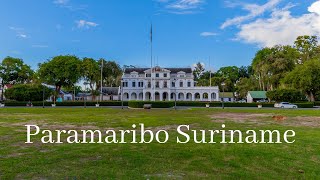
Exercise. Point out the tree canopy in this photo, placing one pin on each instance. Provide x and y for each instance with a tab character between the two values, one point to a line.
61	71
305	77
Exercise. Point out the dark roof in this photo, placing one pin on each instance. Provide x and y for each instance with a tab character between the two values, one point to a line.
138	70
110	90
173	70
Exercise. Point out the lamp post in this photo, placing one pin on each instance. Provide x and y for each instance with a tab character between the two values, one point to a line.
175	94
121	86
85	96
223	84
43	96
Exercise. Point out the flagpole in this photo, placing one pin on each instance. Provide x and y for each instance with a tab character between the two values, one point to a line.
101	97
152	95
210	80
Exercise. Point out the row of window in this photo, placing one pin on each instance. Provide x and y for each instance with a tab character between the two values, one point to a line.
157	75
165	84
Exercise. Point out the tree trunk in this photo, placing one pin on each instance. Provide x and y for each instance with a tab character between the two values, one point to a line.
311	97
2	86
58	88
260	81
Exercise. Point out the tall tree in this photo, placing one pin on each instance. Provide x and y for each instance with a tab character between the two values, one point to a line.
308	48
14	71
229	72
90	71
270	65
281	62
244	85
261	67
111	72
305	77
61	71
198	70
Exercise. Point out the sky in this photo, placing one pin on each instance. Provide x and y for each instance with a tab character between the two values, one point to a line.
222	32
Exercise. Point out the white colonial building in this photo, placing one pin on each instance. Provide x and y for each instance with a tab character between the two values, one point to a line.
164	84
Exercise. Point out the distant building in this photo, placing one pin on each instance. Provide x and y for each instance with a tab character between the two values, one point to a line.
5	87
254	96
63	96
109	94
164	84
227	96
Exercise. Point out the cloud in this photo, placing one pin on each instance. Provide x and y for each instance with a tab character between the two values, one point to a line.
70	6
85	24
61	2
181	6
205	34
19	32
315	8
253	9
281	27
39	46
22	35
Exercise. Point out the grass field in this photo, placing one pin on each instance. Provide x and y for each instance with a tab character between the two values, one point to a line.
159	161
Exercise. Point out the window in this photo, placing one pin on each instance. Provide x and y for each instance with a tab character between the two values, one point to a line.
165	84
157	84
173	84
124	84
189	84
140	84
148	75
157	75
149	84
181	84
165	75
133	84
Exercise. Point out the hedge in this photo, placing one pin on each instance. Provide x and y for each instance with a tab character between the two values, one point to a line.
155	104
317	103
169	104
219	104
67	103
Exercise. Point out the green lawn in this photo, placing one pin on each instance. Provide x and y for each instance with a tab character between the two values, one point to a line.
159	161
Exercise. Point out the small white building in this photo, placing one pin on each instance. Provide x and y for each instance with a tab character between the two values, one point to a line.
164	84
227	97
254	96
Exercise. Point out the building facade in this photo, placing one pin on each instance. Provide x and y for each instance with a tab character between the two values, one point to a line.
164	84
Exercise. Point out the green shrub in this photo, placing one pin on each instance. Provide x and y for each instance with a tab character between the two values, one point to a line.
288	95
155	104
26	92
67	103
305	105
